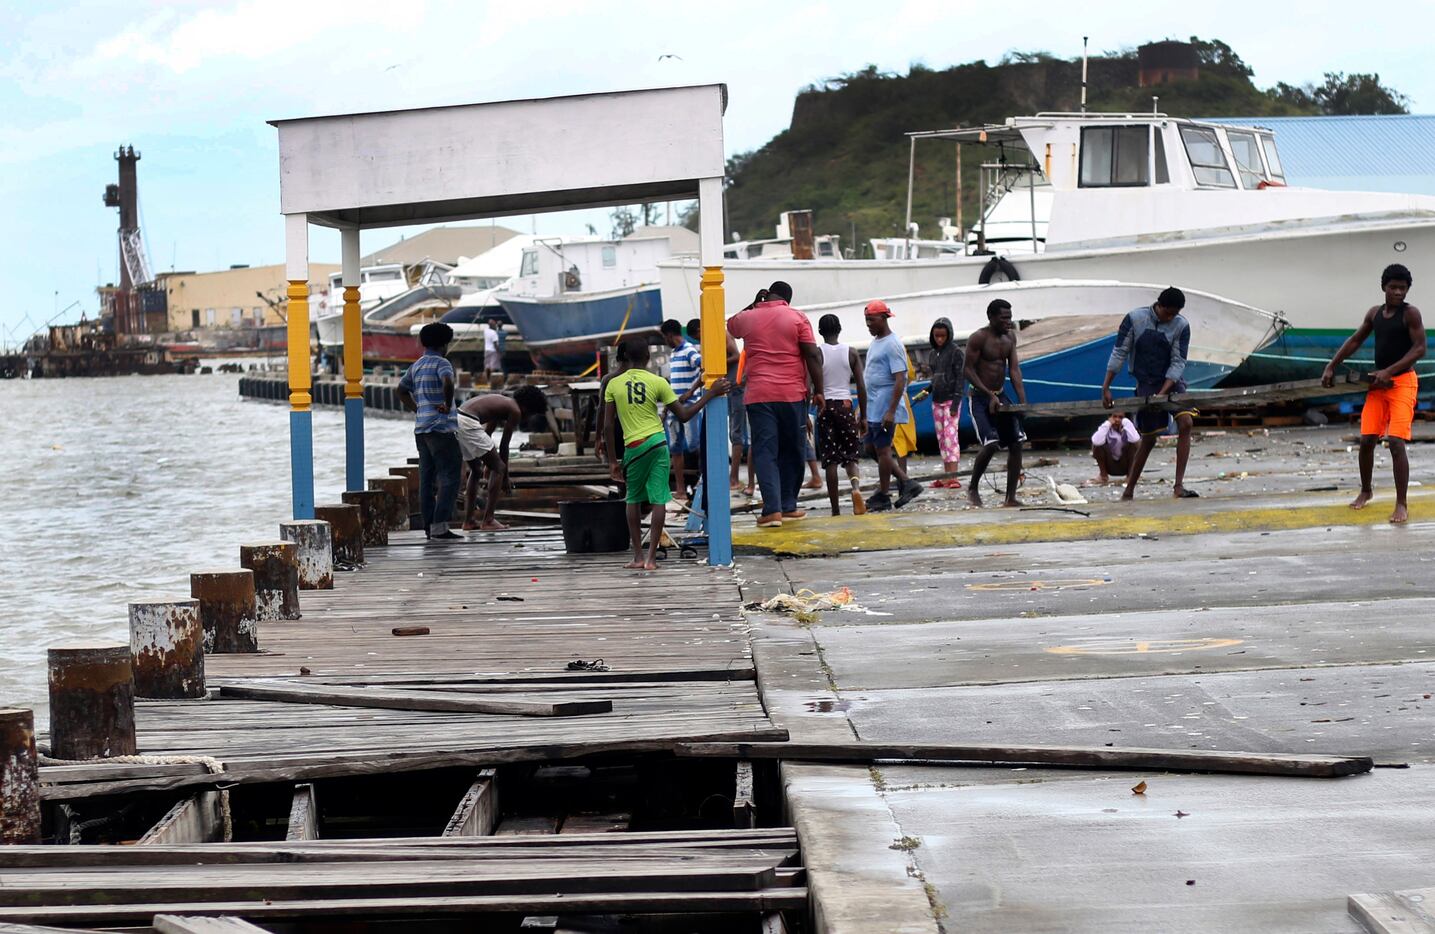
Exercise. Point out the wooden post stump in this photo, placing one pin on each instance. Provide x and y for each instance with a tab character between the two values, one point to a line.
19	778
92	701
167	642
276	578
346	529
397	490
315	544
226	610
373	512
411	479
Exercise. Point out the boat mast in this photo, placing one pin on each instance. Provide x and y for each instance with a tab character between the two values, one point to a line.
1083	74
911	172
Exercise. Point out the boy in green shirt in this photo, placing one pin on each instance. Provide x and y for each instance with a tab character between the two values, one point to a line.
633	396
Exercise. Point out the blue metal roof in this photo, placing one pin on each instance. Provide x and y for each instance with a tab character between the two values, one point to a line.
1364	153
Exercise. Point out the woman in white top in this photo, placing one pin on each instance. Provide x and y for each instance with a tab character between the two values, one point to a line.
839	442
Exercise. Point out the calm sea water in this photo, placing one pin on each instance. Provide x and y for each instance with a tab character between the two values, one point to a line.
113	488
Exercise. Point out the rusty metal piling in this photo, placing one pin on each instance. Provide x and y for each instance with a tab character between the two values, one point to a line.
167	645
410	474
397	491
19	778
373	512
346	529
226	610
92	701
276	578
314	544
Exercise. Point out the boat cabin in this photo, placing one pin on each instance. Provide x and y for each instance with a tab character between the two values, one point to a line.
561	266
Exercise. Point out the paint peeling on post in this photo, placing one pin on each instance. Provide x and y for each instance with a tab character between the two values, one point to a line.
315	546
19	777
226	610
346	529
276	578
410	474
92	701
397	491
373	512
167	643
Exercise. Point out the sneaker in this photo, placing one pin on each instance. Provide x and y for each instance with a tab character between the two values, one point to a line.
770	521
447	536
879	502
859	508
795	515
910	491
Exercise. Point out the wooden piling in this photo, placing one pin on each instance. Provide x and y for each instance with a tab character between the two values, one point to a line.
167	643
397	490
346	530
373	512
19	778
276	578
410	474
92	701
226	610
315	546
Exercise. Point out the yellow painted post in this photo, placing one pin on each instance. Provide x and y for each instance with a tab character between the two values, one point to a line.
353	390
714	325
301	430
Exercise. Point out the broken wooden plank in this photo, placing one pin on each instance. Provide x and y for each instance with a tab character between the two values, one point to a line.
198	818
1088	757
477	814
295	693
772	923
223	924
530	826
596	823
1408	912
744	809
303	814
1237	397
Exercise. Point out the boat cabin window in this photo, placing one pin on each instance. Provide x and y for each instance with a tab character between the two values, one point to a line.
530	263
1273	161
1248	157
610	257
1163	173
1114	156
1207	159
383	275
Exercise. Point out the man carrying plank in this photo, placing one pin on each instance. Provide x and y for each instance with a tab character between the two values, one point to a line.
1153	341
1390	404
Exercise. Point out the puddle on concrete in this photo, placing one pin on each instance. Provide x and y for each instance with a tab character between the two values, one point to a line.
828	705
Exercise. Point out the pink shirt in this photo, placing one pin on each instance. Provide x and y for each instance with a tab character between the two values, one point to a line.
771	333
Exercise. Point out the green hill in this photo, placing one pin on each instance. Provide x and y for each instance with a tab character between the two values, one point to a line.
844	154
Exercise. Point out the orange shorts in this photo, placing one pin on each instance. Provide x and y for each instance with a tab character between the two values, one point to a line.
1389	412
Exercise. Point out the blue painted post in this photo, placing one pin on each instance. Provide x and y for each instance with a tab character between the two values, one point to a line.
354	443
301	462
301	382
719	496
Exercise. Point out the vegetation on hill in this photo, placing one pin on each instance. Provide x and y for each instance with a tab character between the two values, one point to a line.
845	153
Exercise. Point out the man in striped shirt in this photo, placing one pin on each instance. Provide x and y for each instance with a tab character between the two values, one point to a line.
685	367
427	390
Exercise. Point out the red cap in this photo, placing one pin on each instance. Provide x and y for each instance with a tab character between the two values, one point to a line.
878	307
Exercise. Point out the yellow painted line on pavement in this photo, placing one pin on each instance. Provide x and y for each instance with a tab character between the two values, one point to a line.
889	531
1140	647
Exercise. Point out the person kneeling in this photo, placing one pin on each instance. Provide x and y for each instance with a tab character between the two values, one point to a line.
1114	446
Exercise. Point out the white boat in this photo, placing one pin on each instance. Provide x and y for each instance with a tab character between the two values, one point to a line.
376	284
1149	198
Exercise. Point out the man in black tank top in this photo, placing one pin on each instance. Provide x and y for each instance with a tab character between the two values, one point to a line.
1390	404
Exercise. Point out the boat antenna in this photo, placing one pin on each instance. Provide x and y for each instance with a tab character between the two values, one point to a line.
1155	104
1083	74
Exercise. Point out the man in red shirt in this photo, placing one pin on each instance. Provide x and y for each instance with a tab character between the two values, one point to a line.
781	357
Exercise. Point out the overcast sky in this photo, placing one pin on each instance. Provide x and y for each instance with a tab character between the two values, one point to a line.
190	85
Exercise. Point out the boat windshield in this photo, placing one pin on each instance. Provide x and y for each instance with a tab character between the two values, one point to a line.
530	263
1115	156
1248	157
1208	162
1273	161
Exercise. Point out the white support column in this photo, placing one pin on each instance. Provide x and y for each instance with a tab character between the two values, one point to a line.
714	319
353	362
301	426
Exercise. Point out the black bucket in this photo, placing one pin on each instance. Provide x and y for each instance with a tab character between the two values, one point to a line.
594	525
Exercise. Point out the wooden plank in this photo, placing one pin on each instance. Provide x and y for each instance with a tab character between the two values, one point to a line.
1089	757
477	814
198	818
294	693
1238	397
1409	912
772	923
303	814
697	902
531	826
223	924
744	809
617	822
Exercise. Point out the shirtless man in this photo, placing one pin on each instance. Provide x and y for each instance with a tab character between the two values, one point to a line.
479	418
1390	403
991	356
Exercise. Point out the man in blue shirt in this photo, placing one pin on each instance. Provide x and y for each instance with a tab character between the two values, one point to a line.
427	390
1154	341
685	365
886	379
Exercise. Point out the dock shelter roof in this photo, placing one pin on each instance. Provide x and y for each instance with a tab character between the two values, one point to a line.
438	164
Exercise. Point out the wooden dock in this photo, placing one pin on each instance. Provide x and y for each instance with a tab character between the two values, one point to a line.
534	672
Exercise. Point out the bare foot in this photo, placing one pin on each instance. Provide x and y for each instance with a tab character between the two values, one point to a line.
650	565
1012	502
747	491
1128	495
1101	480
635	565
470	526
1399	516
493	525
1360	501
815	484
973	496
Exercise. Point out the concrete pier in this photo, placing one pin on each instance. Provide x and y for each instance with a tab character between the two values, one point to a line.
314	544
19	778
226	610
92	701
346	529
276	578
167	645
